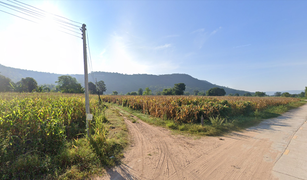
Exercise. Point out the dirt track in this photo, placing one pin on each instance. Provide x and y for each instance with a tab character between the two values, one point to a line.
157	154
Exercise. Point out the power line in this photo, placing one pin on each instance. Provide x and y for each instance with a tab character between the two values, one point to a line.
89	52
43	11
37	22
41	18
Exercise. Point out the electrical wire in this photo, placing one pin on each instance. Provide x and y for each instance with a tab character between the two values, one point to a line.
40	14
38	18
37	23
90	56
15	1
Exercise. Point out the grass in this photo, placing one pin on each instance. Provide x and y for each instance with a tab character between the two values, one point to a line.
214	126
42	136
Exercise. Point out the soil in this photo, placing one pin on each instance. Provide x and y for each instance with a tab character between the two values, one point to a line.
155	153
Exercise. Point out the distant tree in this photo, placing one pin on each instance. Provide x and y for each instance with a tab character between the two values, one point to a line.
230	94
158	93
277	94
301	95
5	84
247	94
68	84
168	91
101	86
286	94
140	91
196	92
147	91
27	84
92	88
260	94
187	93
201	94
236	94
114	93
134	93
179	89
305	91
128	93
40	88
216	92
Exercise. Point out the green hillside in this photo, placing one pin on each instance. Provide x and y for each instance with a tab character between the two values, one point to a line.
122	83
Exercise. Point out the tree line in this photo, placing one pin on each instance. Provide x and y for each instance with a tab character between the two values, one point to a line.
65	84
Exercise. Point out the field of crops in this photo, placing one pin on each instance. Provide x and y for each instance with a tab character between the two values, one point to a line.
189	109
35	129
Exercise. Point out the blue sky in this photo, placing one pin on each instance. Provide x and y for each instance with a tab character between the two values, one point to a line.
252	45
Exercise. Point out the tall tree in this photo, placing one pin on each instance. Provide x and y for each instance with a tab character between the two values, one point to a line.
101	86
147	91
92	88
5	84
179	88
68	84
305	91
140	91
27	84
216	92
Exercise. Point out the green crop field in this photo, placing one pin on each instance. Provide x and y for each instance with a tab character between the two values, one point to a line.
42	136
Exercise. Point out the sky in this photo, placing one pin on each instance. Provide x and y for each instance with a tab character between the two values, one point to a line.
252	45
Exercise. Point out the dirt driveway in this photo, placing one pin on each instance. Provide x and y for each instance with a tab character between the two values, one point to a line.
251	154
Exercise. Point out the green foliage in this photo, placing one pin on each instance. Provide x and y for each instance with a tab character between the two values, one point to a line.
277	94
306	92
236	94
42	137
27	84
179	89
114	93
134	93
196	92
5	84
68	84
147	91
140	91
92	88
168	91
216	92
247	94
260	94
101	86
286	94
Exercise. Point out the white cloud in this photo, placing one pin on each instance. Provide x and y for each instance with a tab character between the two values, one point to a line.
215	31
198	31
241	46
171	36
163	46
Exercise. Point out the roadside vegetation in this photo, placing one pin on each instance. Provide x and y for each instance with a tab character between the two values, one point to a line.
42	136
220	114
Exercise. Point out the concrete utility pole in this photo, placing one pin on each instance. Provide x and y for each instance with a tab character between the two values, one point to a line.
87	101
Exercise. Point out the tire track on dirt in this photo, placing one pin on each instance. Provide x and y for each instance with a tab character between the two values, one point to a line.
157	154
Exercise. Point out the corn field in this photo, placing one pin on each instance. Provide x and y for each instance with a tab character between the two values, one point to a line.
189	109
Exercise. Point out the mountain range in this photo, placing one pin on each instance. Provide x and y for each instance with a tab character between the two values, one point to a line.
122	83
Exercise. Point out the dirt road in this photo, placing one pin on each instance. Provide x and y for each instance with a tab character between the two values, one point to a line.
251	154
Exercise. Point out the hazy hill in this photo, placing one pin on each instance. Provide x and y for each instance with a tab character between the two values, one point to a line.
121	83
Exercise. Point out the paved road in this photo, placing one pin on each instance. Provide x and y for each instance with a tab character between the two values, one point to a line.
292	164
289	136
